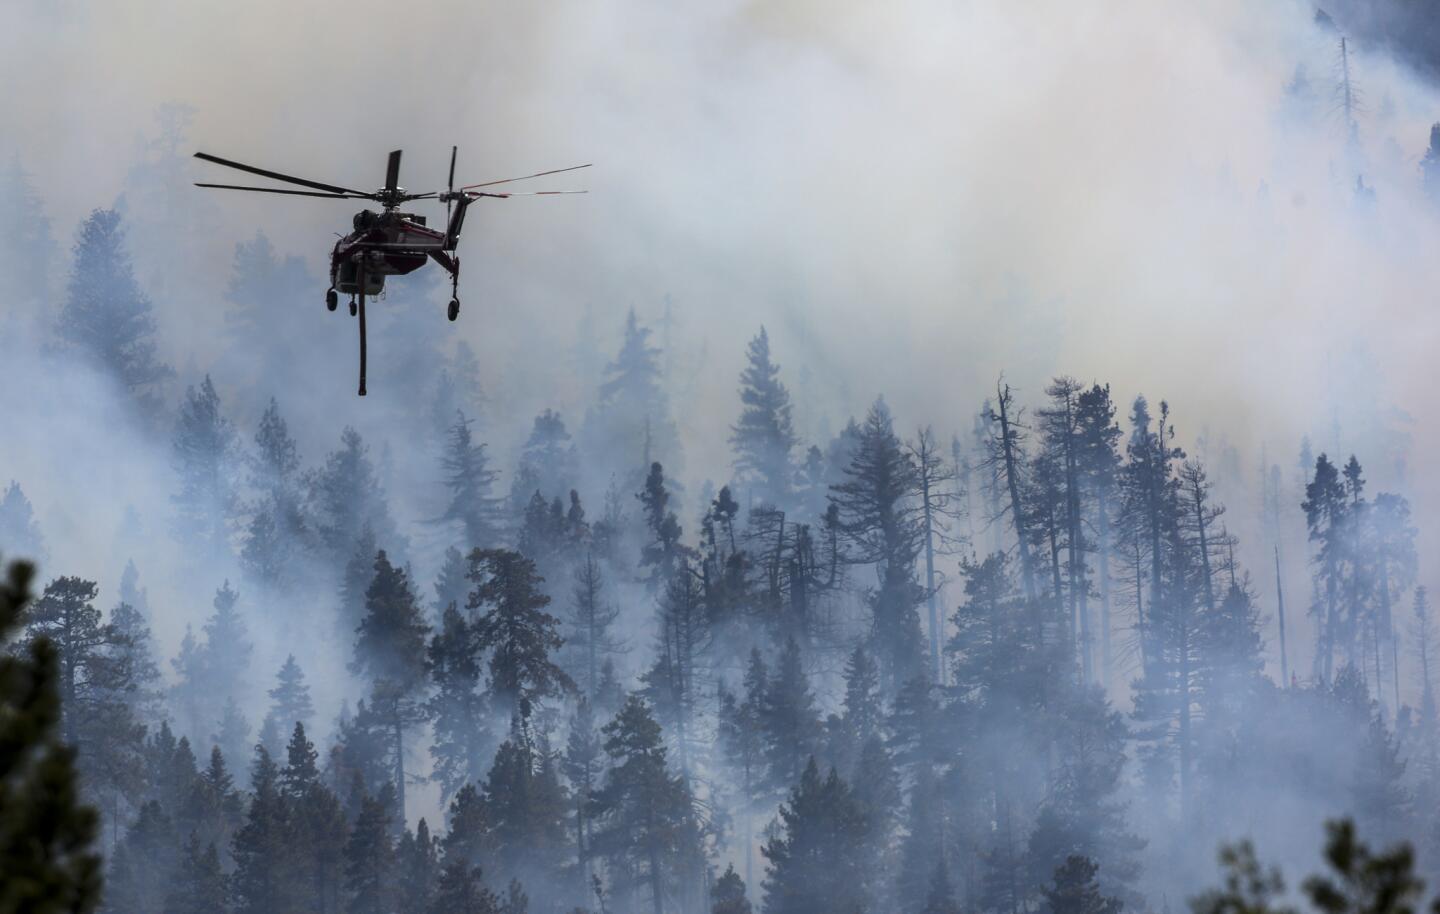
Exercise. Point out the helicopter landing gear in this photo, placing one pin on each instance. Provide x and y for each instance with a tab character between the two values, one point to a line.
454	310
332	300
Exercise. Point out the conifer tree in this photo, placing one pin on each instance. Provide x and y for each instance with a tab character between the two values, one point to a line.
199	883
1098	460
881	522
764	436
468	480
467	836
663	553
645	825
1327	515
452	587
264	877
788	719
821	836
135	667
727	896
47	861
456	709
582	767
278	531
144	864
346	498
19	532
1075	890
743	743
461	891
390	650
587	629
632	424
548	459
204	445
95	684
370	860
418	862
106	317
511	622
290	699
317	825
525	808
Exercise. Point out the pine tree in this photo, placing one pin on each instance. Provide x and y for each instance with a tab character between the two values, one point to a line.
468	480
645	826
199	883
18	530
390	650
346	498
418	862
264	877
46	834
664	552
452	587
461	891
317	826
672	685
144	864
213	809
1098	459
511	622
743	742
106	317
548	460
880	520
1075	890
462	741
94	684
467	836
764	436
232	736
290	699
788	719
355	580
862	713
134	658
525	808
1327	515
278	532
370	860
589	622
632	423
204	444
818	851
727	896
582	767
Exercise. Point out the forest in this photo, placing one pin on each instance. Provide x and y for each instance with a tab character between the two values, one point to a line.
1025	510
889	671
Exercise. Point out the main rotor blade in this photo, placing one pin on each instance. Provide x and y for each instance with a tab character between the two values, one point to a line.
392	171
297	193
538	174
290	179
450	185
524	193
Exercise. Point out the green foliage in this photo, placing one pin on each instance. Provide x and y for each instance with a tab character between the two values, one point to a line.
47	865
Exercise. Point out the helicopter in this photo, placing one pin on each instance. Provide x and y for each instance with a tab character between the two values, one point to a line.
389	242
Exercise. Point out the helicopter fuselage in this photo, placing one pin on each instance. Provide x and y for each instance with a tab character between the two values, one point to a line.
382	244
